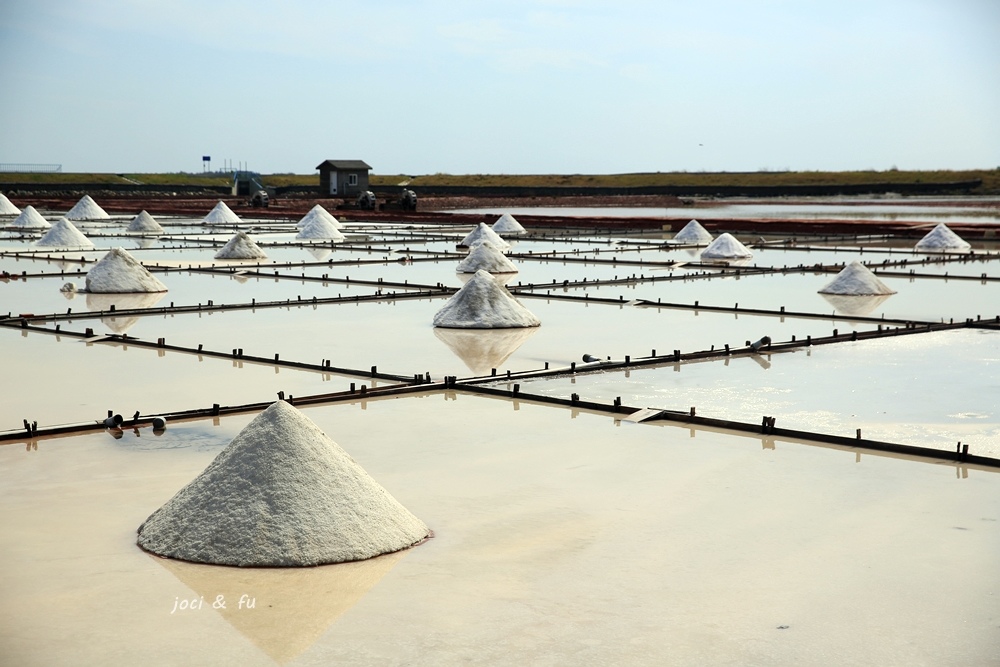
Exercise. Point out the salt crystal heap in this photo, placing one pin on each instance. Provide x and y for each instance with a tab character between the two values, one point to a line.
281	494
485	256
856	279
317	212
30	219
144	222
6	207
508	224
64	234
483	303
693	232
725	247
942	238
320	228
241	246
221	214
87	209
120	272
483	233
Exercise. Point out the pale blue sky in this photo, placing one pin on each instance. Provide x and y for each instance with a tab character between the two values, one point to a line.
561	86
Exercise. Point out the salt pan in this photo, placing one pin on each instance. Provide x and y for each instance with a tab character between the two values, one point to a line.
241	246
64	234
87	209
483	303
120	272
856	279
486	257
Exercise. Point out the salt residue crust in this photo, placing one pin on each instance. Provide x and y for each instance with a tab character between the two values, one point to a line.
725	247
319	228
942	238
241	246
483	233
693	232
144	222
507	224
281	494
856	279
483	303
120	272
6	207
64	234
87	209
30	219
222	214
317	212
485	256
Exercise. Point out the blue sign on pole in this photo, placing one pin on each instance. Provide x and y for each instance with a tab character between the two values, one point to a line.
206	158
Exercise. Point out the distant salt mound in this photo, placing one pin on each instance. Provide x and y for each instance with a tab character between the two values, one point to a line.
942	238
856	279
318	212
485	256
725	247
6	207
144	222
87	209
507	224
483	233
30	219
221	214
693	232
241	246
281	494
483	303
120	272
64	234
320	228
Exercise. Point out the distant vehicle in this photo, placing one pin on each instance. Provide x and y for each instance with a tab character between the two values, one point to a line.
260	199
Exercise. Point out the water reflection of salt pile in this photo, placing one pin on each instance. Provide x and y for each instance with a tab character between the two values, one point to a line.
319	253
122	323
858	305
483	303
87	209
484	349
281	494
942	238
119	272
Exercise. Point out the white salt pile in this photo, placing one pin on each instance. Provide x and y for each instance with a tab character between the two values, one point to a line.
30	219
507	224
87	209
942	238
693	232
144	222
120	272
483	233
856	279
485	256
241	246
320	228
64	234
221	214
318	212
483	303
281	494
6	207
725	247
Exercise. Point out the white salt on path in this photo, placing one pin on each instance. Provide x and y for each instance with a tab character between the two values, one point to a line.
483	233
6	207
119	272
222	214
942	238
241	246
64	234
485	256
483	303
87	209
144	222
856	279
319	228
281	494
726	246
30	219
507	224
693	232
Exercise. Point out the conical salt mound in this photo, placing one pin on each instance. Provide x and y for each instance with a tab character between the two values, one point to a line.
241	246
317	212
942	238
320	228
693	232
483	303
485	256
30	219
120	272
281	494
507	224
483	233
64	234
222	214
144	222
87	209
6	207
725	247
856	279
